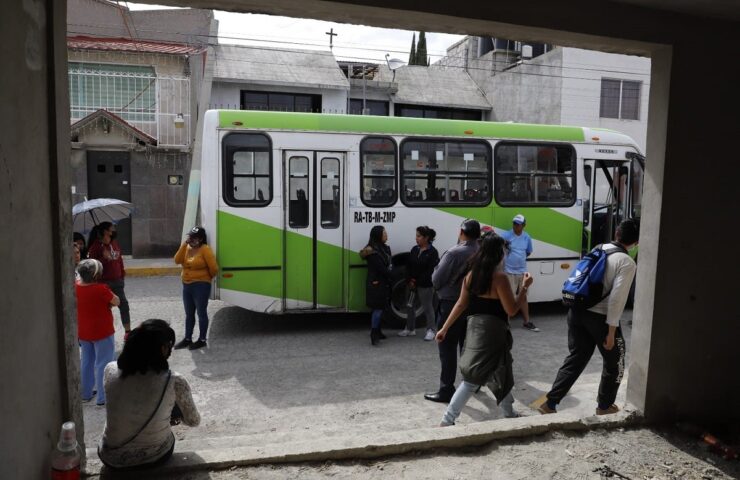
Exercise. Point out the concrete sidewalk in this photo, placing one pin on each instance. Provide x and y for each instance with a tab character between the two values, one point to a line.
150	267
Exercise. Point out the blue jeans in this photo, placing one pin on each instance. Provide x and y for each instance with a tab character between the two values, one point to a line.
195	297
95	356
461	397
375	318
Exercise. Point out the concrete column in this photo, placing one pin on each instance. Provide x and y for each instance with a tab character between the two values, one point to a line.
687	321
39	360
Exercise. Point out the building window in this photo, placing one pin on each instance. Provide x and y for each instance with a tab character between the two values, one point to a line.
435	172
531	174
620	99
374	107
280	101
247	170
128	91
420	111
378	172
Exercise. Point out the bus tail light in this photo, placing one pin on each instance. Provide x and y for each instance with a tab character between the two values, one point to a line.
228	275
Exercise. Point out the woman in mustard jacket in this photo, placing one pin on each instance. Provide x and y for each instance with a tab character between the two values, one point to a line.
198	269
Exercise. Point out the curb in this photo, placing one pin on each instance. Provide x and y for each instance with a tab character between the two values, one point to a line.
377	444
152	271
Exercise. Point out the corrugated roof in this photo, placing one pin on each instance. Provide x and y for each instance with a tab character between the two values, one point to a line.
419	85
278	66
129	45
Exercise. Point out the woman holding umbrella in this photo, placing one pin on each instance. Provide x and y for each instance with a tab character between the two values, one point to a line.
104	247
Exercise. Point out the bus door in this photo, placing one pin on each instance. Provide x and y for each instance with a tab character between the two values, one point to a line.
607	184
313	262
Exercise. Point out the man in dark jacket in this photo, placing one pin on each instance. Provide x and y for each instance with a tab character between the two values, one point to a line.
447	279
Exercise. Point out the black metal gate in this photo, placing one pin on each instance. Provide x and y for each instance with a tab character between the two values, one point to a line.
109	176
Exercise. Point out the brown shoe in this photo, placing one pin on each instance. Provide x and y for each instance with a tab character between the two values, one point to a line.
544	409
607	411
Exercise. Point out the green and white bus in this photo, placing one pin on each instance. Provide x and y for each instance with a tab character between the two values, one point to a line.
288	199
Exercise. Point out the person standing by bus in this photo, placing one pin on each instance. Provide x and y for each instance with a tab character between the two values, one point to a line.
377	254
599	327
198	269
447	279
104	247
419	267
515	265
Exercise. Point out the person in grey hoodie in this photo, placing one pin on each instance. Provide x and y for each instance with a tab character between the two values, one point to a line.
447	280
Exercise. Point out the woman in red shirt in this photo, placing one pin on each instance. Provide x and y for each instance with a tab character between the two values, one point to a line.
94	327
104	247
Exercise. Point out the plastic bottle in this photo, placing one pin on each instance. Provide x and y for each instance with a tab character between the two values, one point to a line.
65	460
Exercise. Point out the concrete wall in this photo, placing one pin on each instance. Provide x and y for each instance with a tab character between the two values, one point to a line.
105	19
227	95
581	92
39	360
528	93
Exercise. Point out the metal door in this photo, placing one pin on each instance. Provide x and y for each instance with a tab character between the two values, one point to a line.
608	183
313	229
109	176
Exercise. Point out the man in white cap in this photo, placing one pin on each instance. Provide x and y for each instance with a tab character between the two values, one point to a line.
515	265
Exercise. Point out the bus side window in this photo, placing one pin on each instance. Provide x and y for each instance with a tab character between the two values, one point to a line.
247	169
378	171
528	173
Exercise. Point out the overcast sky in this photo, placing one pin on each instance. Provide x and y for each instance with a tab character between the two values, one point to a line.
354	42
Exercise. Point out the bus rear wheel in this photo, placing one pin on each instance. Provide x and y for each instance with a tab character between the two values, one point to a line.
399	301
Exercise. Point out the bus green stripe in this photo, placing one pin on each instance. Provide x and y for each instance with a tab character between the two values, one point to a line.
251	119
543	224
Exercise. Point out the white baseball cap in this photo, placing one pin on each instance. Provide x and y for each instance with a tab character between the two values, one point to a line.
519	219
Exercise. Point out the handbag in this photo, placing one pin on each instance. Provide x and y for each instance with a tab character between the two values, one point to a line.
164	390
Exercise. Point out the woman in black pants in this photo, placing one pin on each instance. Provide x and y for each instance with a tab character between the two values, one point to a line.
378	286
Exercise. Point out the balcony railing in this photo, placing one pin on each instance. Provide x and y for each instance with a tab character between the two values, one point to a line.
157	105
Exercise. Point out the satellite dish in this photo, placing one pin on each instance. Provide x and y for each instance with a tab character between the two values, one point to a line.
395	63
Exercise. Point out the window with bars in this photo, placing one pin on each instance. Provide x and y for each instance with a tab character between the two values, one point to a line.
128	91
620	99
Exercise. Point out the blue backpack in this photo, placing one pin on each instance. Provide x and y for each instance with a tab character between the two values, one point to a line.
584	287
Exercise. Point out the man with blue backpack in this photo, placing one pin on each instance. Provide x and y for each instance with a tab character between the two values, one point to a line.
593	318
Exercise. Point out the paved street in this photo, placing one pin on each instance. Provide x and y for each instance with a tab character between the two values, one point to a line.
267	380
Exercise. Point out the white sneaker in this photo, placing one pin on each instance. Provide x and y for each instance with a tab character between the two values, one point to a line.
406	333
429	336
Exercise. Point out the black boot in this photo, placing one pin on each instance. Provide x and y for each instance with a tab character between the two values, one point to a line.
374	337
381	335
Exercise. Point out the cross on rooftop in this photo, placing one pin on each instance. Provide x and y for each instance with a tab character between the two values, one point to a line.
331	38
